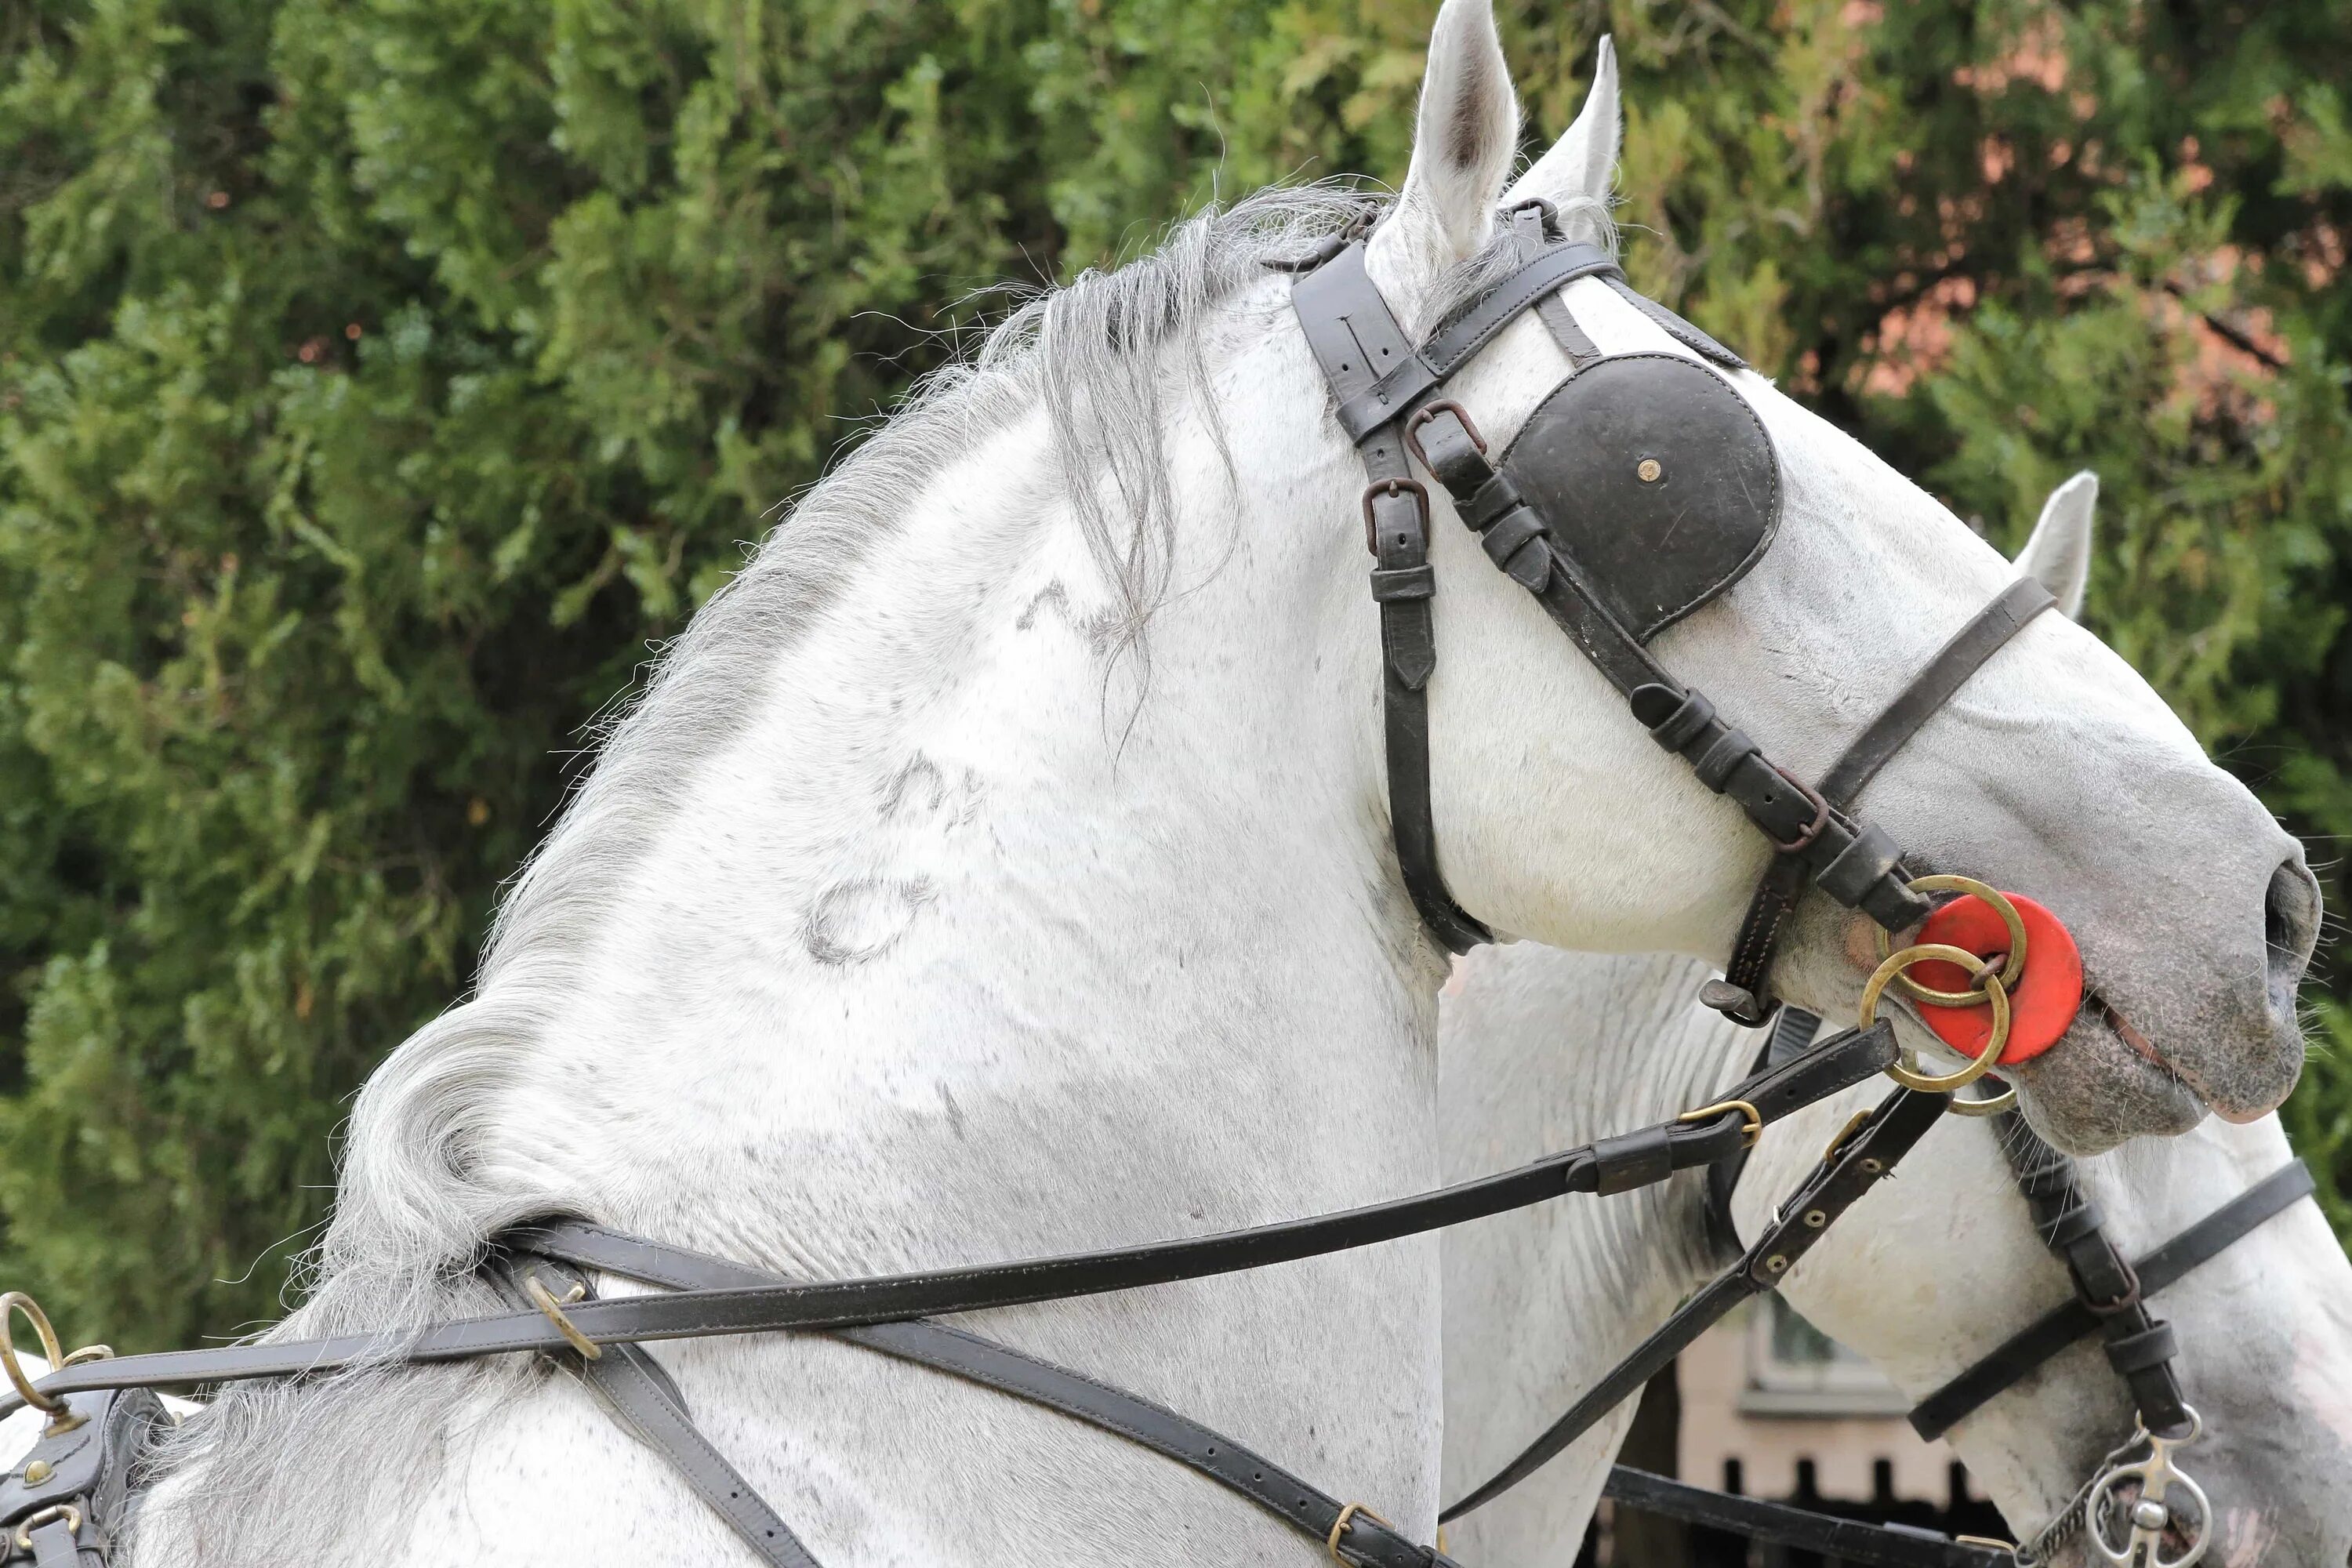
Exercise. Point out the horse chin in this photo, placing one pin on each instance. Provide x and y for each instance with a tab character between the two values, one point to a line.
2091	1090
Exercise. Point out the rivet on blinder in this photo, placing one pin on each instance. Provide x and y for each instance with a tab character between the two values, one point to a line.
37	1472
1649	471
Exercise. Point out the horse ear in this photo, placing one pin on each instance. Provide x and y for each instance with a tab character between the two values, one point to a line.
1462	150
2059	553
1576	174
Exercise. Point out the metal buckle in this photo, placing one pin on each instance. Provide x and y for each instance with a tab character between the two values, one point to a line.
54	1512
1812	830
544	1300
1339	1527
1379	489
1748	1134
1429	411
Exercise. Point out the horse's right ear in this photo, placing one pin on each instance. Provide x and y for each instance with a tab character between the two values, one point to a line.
1462	149
1575	176
2059	552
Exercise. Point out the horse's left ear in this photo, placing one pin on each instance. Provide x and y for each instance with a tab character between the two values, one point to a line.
1462	150
2059	553
1576	174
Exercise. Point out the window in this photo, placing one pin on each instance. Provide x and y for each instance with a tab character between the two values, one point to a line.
1794	1369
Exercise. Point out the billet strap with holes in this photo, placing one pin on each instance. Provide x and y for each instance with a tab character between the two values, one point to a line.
1836	1064
1747	999
1854	1164
1778	1524
2035	1344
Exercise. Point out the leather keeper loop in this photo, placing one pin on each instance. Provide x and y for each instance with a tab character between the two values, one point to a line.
1715	764
1508	537
1860	866
1683	724
1403	583
1493	500
2073	1226
1632	1160
2152	1346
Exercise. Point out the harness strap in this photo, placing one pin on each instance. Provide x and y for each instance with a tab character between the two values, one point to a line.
1778	1524
1837	1064
1853	862
2062	1326
1357	344
1850	1168
1366	1541
636	1392
1938	680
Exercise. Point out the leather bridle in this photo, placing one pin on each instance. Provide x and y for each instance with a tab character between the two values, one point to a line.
63	1506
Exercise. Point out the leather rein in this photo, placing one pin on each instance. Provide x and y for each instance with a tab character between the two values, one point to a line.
64	1505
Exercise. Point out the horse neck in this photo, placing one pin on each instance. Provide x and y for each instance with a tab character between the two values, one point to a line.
1544	1050
956	904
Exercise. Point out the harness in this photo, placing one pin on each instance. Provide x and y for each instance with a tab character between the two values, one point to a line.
1641	488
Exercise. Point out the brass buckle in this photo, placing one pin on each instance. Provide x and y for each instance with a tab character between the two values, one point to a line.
56	1511
1748	1134
544	1300
1339	1527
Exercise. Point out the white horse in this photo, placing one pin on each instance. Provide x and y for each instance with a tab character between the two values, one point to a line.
1924	1274
1002	865
1541	1050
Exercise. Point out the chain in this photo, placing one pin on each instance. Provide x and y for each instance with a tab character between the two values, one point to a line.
2069	1523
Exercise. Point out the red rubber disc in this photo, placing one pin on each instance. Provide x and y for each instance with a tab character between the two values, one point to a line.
2048	995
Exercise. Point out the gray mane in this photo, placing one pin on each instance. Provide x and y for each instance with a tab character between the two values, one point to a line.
271	1474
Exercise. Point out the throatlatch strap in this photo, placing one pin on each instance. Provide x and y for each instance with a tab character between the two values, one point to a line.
1941	677
2036	1343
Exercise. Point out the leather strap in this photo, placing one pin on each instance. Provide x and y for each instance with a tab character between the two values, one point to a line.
1778	1524
1850	1169
1852	862
638	1394
1836	1064
1358	344
1313	1512
1792	1031
2033	1345
1938	682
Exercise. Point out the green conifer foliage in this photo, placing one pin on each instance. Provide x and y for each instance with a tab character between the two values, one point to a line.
378	377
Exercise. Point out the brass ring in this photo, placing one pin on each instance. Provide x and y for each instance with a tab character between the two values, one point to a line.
1748	1134
1339	1527
2006	1100
2009	971
12	1303
1910	1077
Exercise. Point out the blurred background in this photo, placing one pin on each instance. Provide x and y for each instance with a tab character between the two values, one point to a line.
380	380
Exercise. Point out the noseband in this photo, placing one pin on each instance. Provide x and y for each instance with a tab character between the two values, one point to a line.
1641	488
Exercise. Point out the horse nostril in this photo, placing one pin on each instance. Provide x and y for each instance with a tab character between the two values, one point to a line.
2290	929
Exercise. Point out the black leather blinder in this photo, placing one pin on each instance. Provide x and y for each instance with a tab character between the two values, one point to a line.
1658	482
